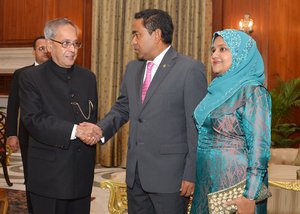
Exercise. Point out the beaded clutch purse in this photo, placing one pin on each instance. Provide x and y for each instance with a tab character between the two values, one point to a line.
216	200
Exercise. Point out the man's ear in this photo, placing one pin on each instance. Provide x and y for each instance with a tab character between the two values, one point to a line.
49	45
33	52
158	35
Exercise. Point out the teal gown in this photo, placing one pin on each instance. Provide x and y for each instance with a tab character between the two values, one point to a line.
234	144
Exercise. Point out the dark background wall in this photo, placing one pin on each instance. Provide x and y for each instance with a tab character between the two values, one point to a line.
23	20
276	28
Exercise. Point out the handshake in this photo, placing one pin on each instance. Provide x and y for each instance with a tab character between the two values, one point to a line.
89	133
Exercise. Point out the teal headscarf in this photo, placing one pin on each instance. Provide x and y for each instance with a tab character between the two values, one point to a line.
247	68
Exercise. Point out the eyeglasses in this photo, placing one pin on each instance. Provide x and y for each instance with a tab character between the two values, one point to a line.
41	49
67	44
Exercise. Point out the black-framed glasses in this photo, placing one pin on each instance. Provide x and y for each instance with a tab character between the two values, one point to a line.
67	44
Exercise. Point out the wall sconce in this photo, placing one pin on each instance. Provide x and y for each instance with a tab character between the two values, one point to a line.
246	24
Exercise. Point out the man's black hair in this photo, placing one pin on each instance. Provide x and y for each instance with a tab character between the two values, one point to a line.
157	19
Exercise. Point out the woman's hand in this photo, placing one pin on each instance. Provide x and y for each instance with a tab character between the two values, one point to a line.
245	205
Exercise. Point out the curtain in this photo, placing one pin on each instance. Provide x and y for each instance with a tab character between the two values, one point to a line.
111	51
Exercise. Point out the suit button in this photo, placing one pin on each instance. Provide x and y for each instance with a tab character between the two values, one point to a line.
140	120
68	77
78	150
72	95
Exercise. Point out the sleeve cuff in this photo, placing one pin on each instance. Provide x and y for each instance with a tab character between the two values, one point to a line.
102	140
73	135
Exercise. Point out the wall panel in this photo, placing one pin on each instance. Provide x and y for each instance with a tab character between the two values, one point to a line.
284	43
276	30
23	20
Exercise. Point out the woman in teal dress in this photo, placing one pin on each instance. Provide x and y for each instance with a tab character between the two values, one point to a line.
233	123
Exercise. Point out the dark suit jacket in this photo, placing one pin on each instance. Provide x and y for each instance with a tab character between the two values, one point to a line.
12	120
53	99
13	105
163	138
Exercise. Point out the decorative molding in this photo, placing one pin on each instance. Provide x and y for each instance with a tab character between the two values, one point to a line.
14	58
3	102
289	185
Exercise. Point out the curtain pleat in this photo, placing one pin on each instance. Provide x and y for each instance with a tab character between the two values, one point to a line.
111	51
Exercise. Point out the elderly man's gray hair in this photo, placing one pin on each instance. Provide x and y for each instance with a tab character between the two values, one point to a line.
51	26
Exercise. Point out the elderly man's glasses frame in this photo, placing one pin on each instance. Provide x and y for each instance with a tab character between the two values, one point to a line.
67	44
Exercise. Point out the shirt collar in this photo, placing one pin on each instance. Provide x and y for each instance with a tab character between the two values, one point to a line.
157	60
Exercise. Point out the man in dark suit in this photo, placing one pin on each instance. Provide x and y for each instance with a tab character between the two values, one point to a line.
161	158
18	138
54	98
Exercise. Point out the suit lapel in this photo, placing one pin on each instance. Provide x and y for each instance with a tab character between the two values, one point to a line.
164	68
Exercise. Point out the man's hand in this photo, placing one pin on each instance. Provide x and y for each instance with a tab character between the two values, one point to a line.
187	188
89	133
245	205
13	143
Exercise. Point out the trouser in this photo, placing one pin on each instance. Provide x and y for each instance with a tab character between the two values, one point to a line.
142	202
45	205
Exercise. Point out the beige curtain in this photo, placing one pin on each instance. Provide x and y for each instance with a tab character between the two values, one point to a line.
111	51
